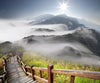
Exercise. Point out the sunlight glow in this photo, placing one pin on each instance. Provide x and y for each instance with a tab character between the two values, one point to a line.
63	6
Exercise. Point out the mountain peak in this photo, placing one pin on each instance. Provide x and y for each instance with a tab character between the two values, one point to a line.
70	22
62	15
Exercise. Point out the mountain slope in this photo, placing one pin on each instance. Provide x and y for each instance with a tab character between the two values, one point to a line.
41	18
88	37
63	19
90	24
5	47
82	37
71	23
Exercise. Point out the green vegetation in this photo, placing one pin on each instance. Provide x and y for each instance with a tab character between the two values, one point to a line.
1	65
38	61
8	47
1	55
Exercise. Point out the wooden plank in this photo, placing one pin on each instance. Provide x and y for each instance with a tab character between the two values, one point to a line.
41	79
15	73
87	74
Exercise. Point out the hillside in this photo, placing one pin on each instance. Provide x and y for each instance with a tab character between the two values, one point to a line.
71	23
81	43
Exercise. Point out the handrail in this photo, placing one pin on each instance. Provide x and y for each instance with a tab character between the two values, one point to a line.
41	79
4	77
39	68
50	70
80	73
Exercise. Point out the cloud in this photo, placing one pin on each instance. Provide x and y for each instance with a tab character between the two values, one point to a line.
11	30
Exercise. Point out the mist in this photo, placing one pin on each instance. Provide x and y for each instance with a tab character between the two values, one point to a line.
12	30
64	52
16	30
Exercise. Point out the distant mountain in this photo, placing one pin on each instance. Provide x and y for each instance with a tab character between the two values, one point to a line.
88	37
71	23
84	37
44	30
41	18
29	40
90	24
63	37
5	47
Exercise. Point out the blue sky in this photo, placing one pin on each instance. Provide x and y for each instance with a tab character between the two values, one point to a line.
86	9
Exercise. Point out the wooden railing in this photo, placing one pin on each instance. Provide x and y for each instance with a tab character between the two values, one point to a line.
51	71
3	77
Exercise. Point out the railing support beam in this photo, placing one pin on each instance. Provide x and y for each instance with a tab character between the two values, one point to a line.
33	73
50	74
40	73
25	69
72	79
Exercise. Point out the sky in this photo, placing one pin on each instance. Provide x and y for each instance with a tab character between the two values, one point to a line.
86	9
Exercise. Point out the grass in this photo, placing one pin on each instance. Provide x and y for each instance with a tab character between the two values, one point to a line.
1	63
38	61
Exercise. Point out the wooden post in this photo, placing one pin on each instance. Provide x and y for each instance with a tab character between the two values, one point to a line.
2	81
72	79
32	71
25	69
5	70
50	74
17	58
19	61
5	77
40	73
5	61
21	64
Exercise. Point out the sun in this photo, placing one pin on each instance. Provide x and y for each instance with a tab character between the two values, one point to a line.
63	6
